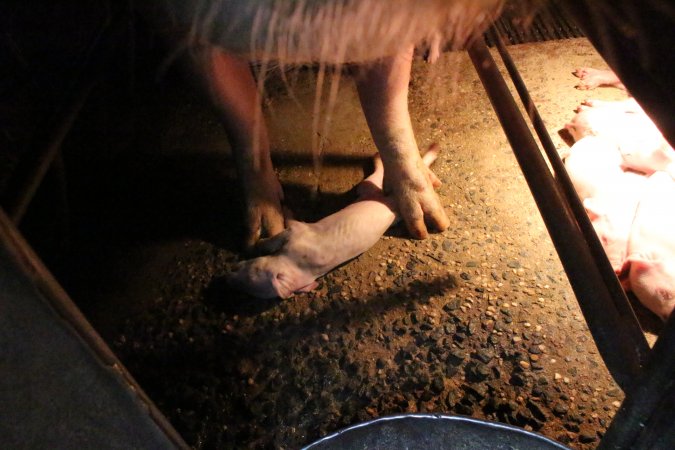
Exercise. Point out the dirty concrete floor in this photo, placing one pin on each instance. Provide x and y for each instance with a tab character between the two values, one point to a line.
479	320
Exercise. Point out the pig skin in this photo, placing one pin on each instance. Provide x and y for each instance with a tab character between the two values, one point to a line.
609	194
651	248
630	199
612	214
594	165
306	251
641	145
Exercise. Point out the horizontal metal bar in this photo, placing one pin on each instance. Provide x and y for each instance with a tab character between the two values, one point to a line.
619	353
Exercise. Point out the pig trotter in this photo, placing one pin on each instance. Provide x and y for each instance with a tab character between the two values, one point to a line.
306	251
416	200
264	217
592	78
383	91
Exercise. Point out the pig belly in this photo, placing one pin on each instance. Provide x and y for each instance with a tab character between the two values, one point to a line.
338	31
651	258
613	230
346	234
594	166
610	195
654	225
649	157
612	219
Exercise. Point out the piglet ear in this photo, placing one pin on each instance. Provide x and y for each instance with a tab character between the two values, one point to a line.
640	262
271	245
310	287
623	275
280	283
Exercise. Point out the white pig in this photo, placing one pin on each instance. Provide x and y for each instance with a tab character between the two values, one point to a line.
594	165
307	251
651	249
641	145
609	194
612	215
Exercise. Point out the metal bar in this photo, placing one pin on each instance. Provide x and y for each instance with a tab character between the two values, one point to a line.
645	419
629	323
502	29
510	32
618	352
549	22
31	171
31	265
33	166
558	22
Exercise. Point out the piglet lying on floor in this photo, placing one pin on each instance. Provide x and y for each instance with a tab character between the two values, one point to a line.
306	251
651	248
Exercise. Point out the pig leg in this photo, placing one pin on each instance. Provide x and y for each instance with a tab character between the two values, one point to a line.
592	78
628	105
233	92
307	251
372	186
383	91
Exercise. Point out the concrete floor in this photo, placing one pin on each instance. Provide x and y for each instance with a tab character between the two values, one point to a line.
497	251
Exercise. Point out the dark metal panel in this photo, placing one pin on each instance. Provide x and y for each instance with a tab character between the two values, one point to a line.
646	419
61	386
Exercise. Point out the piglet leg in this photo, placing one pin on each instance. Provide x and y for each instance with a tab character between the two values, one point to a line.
592	78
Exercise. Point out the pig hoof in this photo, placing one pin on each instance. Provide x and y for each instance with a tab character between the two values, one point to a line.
581	72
